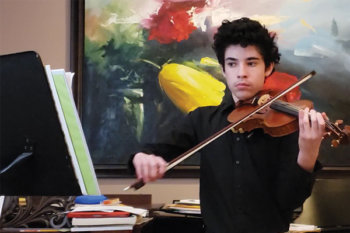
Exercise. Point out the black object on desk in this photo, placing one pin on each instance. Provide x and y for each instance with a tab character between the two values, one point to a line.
173	223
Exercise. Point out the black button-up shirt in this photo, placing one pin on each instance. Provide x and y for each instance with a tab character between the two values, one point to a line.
249	182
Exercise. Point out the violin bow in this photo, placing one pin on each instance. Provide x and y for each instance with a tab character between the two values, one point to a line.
139	183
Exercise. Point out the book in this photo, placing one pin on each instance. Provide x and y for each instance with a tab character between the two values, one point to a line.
97	214
131	220
182	209
102	228
72	129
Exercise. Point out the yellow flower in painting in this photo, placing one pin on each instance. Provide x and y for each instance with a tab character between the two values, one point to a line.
208	61
189	88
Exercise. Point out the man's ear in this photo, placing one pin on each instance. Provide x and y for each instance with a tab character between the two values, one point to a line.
269	69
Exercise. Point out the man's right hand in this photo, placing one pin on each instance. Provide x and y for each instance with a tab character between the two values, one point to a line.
149	167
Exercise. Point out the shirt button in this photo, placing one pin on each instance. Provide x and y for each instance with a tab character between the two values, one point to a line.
237	162
237	139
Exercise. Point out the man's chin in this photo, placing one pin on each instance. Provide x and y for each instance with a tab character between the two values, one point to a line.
245	97
242	96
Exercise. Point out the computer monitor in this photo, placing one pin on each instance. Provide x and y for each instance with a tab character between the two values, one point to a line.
34	158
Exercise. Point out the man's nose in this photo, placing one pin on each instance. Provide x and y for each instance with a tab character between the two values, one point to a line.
242	71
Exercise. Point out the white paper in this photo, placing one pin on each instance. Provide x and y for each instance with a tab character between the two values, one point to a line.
109	208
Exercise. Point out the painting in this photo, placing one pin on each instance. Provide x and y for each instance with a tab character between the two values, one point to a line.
145	64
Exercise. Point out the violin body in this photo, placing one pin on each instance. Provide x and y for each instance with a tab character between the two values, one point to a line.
280	118
274	122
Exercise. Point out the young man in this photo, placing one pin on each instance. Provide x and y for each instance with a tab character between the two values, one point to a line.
250	182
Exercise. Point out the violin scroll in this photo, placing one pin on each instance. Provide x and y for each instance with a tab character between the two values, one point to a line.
340	136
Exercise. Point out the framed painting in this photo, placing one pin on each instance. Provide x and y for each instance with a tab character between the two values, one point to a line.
126	55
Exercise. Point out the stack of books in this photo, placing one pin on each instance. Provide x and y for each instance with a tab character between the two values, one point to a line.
186	206
101	217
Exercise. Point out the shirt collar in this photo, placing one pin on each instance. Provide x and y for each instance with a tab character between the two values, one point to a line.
227	101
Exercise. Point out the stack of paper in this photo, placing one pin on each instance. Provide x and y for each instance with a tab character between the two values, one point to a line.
187	206
294	228
110	208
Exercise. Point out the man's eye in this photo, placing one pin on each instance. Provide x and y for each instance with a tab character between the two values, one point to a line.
231	64
251	63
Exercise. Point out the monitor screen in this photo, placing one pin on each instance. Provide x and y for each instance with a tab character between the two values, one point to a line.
30	129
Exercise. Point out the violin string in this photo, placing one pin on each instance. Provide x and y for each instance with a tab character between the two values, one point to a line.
296	109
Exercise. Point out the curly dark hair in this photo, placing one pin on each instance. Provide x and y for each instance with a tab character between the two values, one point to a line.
245	32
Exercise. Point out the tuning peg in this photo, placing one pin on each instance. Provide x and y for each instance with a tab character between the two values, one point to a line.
326	135
338	122
335	143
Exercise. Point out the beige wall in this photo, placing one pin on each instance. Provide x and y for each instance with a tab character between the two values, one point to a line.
163	191
43	26
40	25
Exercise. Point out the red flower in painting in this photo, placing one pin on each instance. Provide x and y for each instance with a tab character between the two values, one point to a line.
173	21
279	81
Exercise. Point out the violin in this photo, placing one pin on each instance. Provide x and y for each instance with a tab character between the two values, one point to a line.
281	118
279	121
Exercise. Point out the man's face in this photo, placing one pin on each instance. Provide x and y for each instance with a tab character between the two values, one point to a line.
245	71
